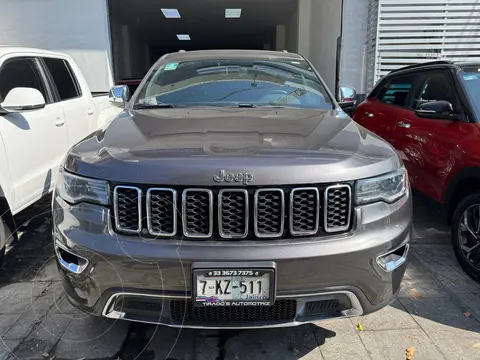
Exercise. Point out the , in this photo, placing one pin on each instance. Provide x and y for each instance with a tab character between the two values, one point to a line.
430	113
232	192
